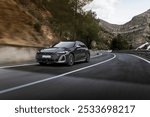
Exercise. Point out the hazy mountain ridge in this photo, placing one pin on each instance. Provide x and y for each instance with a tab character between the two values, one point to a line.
136	31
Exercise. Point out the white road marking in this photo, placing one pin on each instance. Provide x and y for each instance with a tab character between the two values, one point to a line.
55	77
141	58
22	65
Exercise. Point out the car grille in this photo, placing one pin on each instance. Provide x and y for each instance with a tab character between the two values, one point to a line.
53	56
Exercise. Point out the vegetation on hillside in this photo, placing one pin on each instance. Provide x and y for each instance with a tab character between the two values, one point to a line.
68	19
119	43
72	22
45	22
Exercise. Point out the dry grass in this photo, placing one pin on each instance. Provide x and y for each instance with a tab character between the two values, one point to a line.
17	26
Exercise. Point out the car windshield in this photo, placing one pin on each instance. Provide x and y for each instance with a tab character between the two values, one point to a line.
65	45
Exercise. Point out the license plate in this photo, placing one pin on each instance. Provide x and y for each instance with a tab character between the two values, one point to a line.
46	56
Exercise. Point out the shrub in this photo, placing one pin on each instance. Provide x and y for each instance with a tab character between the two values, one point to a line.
37	26
119	43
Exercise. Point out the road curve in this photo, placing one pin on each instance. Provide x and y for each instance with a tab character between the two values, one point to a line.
109	76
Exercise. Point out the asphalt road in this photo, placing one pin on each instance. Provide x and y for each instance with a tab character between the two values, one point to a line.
109	76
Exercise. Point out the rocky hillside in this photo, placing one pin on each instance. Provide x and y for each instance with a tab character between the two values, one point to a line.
136	31
23	23
37	22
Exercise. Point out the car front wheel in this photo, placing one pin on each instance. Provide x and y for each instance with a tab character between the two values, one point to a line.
87	58
70	60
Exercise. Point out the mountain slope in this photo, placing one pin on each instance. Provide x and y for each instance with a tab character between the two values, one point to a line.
29	23
19	27
136	31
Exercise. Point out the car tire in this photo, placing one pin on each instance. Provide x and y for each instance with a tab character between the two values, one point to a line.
87	57
70	60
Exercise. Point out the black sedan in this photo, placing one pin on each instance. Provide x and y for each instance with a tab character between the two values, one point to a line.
67	52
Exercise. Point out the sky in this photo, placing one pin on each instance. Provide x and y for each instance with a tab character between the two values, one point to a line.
118	11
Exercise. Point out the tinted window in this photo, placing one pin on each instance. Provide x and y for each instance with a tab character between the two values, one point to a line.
78	43
65	45
82	45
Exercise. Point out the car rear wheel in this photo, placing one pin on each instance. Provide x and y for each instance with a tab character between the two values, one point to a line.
70	60
87	58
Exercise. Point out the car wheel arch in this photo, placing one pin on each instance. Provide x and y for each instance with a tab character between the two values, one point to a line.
72	54
87	57
68	60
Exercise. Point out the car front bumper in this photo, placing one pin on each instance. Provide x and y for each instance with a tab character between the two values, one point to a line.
51	58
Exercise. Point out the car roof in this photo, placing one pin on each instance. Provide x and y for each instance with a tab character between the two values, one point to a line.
70	41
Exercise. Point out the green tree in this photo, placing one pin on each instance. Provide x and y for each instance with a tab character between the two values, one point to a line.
62	16
77	6
67	16
70	21
88	29
119	43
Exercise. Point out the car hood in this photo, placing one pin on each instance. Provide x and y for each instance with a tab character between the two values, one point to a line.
53	50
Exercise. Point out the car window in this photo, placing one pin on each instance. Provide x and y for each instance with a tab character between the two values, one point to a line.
82	45
65	44
77	43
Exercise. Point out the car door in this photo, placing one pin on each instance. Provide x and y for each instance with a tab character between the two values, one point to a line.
80	51
83	50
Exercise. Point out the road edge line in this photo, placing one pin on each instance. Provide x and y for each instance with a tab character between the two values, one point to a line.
141	58
22	65
54	77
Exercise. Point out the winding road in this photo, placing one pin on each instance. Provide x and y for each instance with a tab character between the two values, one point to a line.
107	76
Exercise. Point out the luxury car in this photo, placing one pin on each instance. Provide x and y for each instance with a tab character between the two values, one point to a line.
67	52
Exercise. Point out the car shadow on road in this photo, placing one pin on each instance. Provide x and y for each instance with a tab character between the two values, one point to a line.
54	69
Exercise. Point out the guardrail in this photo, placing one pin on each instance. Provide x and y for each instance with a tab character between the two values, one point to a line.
11	54
16	54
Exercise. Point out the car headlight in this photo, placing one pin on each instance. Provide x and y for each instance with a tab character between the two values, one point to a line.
63	52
